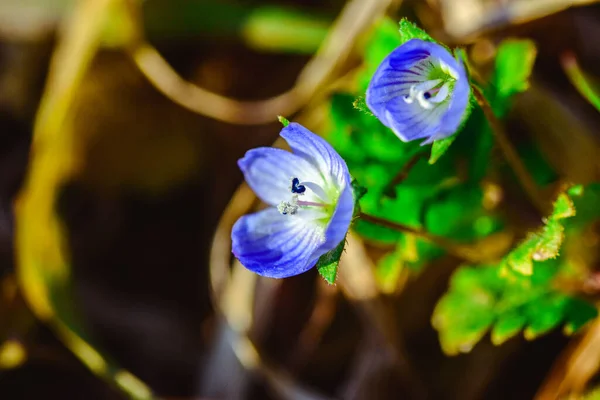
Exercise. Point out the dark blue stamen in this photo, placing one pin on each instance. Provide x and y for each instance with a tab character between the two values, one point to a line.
426	95
297	187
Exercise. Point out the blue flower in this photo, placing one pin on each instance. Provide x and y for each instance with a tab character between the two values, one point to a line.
420	91
311	201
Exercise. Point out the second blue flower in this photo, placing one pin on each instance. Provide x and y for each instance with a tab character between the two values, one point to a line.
420	91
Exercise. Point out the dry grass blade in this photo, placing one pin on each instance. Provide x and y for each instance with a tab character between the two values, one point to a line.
357	16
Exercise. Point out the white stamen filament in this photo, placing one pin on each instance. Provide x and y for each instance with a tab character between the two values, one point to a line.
310	204
418	92
291	207
448	70
442	94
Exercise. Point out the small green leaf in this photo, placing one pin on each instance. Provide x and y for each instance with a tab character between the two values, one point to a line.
514	63
545	314
328	263
361	105
283	121
548	245
507	326
439	147
563	207
409	31
576	191
358	191
546	242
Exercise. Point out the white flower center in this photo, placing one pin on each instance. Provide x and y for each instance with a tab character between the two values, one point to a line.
298	188
433	91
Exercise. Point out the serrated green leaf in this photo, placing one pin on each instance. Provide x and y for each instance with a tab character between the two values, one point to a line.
549	242
439	147
327	265
546	242
482	298
563	207
361	105
409	30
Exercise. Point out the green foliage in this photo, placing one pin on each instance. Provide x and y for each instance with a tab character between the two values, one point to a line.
512	68
545	243
439	147
517	294
283	121
486	298
514	63
328	263
429	196
409	31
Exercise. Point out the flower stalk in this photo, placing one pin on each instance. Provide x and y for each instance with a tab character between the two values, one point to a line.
510	154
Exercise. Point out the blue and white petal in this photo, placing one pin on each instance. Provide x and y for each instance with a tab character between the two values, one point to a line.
316	151
419	91
313	195
275	245
268	172
340	220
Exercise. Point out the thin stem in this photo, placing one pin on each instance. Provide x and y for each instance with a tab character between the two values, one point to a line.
510	154
440	241
402	175
473	253
578	79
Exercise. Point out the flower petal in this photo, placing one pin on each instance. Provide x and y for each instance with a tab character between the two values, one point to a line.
401	74
317	151
411	121
340	221
275	245
459	102
269	171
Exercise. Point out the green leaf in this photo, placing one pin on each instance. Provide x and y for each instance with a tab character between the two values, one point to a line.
409	30
358	192
484	298
327	265
545	314
361	105
546	242
514	64
507	326
439	147
563	207
459	213
283	121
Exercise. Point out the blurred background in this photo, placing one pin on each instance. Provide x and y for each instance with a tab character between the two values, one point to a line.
121	122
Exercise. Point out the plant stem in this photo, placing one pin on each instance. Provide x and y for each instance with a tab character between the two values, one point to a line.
510	154
470	252
402	174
